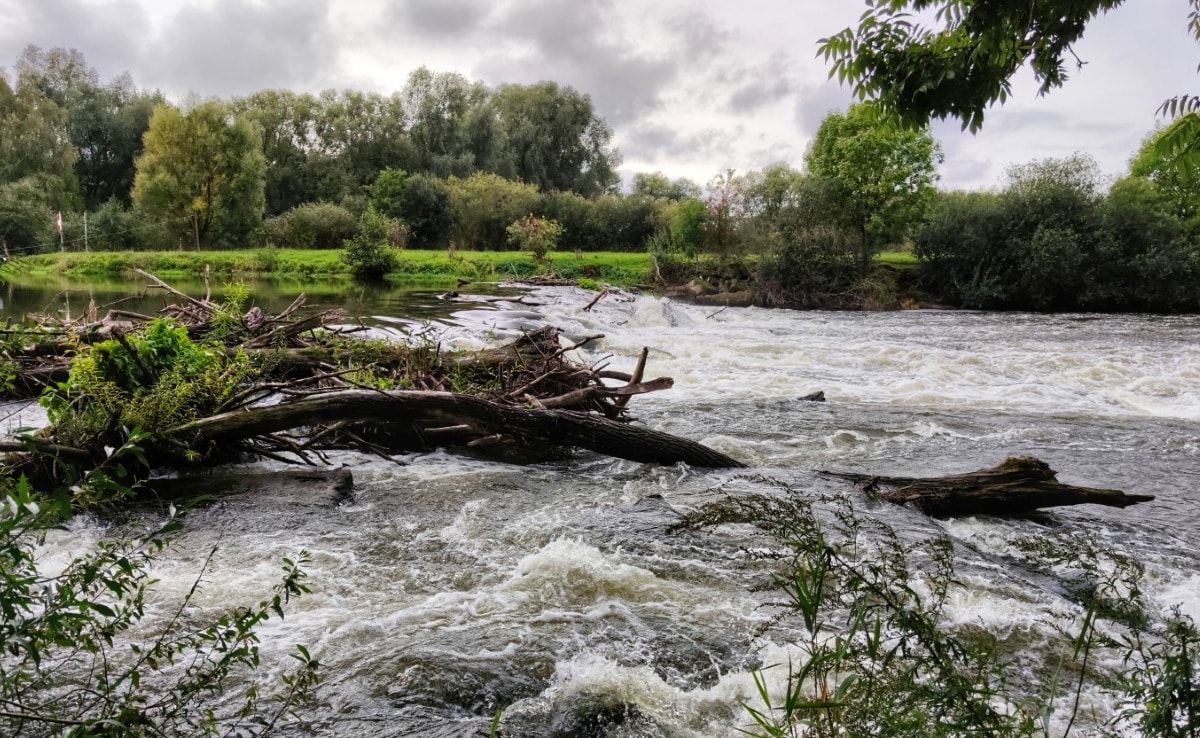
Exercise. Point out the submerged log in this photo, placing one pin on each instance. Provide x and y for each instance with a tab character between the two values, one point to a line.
433	415
1017	486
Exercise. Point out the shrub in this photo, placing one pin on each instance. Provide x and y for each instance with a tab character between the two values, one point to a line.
316	225
368	254
536	235
70	667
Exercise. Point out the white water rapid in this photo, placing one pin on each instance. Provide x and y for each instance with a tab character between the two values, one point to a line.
449	589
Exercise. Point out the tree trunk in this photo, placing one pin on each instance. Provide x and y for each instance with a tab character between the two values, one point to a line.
428	413
1017	486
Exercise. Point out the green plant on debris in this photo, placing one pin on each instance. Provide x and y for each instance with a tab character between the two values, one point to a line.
156	380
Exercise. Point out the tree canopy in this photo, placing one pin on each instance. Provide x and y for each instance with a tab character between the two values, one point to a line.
204	168
884	174
961	63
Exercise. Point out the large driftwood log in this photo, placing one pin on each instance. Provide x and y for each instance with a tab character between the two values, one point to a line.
1017	486
427	413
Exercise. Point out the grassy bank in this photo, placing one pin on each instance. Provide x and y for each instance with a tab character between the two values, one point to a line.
313	265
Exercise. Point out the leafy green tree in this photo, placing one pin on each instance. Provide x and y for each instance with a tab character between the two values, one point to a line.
386	190
484	205
106	124
538	236
658	186
368	254
115	227
687	226
884	175
57	72
357	136
726	208
622	222
27	214
554	140
427	208
301	164
575	213
33	135
202	172
1180	187
961	63
451	125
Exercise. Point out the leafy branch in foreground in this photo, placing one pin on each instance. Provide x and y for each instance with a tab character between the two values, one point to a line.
877	658
962	60
73	664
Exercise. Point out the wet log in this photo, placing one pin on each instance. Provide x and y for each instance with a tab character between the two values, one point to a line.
1017	486
432	411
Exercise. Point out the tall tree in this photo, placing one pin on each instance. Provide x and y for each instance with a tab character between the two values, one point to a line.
202	170
660	187
106	124
56	72
961	63
450	122
554	140
33	134
884	175
298	170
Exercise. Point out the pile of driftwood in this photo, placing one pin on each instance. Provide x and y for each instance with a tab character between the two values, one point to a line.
317	389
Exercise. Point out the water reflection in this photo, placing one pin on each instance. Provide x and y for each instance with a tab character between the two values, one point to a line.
373	304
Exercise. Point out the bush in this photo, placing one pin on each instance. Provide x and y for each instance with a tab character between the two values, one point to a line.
368	254
316	225
70	667
536	235
811	268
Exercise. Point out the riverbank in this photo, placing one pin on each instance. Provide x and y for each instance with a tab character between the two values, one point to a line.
434	267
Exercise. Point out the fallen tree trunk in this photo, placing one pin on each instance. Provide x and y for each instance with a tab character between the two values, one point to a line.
427	413
1017	486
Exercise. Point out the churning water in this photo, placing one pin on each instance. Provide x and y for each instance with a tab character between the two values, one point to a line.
449	588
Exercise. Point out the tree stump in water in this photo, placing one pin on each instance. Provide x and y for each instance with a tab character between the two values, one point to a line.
1017	486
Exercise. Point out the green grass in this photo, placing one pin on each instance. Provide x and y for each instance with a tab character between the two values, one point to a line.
432	267
898	259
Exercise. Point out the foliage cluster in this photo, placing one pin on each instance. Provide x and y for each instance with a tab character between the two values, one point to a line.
370	253
1052	240
71	666
314	225
148	382
536	235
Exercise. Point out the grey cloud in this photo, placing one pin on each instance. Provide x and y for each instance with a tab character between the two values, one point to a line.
814	103
236	47
652	142
439	18
106	34
758	86
701	39
577	44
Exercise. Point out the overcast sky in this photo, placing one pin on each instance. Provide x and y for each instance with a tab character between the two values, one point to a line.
690	87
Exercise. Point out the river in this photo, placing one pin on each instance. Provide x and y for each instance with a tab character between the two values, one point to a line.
449	589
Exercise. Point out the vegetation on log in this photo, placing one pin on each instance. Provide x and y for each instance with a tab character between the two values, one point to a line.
212	382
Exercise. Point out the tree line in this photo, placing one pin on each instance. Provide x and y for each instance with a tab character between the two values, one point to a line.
152	174
449	163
